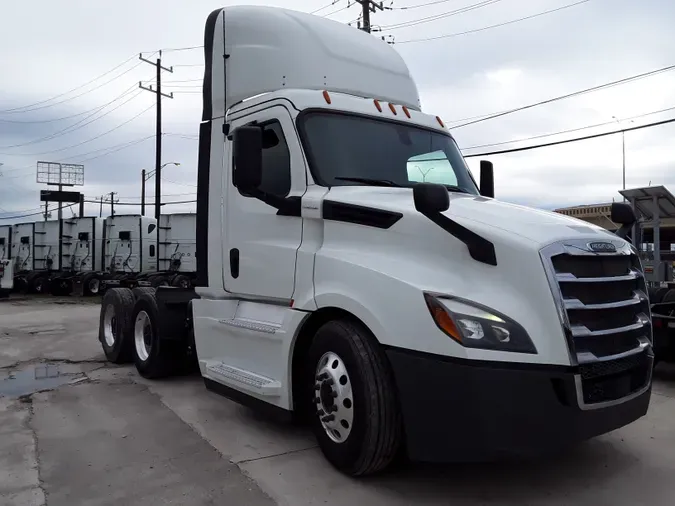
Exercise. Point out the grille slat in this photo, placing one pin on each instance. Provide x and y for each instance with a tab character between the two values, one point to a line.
606	315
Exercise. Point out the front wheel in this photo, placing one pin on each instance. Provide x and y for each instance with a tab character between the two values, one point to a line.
357	421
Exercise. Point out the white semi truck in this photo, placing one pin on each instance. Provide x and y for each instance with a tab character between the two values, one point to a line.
6	265
177	247
395	315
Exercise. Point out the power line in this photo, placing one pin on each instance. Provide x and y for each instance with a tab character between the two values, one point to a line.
325	6
13	111
70	91
77	125
569	130
176	182
349	4
92	139
410	7
568	95
168	49
30	214
576	139
428	19
518	20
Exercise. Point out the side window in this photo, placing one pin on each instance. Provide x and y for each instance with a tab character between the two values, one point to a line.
152	250
276	161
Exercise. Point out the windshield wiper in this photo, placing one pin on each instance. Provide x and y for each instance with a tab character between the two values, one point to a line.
455	188
371	182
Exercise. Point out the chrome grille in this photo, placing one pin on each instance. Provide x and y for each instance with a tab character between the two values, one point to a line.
604	309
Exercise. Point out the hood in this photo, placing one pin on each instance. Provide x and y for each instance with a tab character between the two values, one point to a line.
541	227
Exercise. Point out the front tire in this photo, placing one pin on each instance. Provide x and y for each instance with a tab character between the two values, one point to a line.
357	421
114	323
154	358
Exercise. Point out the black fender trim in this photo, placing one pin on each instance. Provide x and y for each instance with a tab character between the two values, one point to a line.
479	247
359	215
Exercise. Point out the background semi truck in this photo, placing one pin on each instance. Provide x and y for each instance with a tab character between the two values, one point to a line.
392	314
6	266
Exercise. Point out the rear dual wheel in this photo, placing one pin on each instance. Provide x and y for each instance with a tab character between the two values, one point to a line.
154	357
114	325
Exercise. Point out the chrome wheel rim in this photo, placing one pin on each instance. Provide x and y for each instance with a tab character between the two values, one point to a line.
109	324
143	335
333	397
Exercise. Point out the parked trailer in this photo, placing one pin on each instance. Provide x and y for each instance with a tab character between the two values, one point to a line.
129	251
394	315
5	242
22	250
6	265
176	246
81	257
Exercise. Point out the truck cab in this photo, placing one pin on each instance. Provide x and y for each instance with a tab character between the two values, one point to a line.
352	270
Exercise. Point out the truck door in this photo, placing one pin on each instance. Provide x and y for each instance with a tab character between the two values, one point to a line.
260	247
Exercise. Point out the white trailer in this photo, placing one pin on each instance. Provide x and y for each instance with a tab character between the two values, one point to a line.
392	314
81	252
6	265
22	252
177	247
5	242
6	277
129	250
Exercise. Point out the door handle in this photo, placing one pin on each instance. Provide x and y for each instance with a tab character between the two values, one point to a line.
234	262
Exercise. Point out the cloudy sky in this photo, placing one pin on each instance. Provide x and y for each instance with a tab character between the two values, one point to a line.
49	48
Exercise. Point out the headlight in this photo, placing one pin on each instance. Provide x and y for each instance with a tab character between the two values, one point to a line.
474	326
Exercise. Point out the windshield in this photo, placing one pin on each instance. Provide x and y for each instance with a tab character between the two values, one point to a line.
342	147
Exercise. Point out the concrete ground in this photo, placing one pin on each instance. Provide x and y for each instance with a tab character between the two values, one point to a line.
75	430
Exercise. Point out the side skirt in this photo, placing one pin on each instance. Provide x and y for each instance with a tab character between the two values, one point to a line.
274	412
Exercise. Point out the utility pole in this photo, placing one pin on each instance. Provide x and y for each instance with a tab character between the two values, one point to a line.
112	203
158	134
143	192
367	7
100	209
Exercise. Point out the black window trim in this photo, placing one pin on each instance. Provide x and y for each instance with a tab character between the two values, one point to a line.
263	124
300	120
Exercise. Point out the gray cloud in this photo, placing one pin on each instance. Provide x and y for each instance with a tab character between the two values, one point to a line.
458	77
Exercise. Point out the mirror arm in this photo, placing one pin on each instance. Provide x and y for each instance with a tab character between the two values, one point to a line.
286	206
623	231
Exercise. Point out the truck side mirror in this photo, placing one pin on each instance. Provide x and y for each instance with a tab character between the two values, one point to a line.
247	142
622	214
487	179
431	198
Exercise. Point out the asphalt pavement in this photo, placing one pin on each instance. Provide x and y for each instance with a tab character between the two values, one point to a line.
75	430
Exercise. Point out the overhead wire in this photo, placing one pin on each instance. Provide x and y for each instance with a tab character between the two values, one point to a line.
410	7
78	124
611	84
91	139
476	30
575	139
73	89
568	131
325	6
74	97
429	19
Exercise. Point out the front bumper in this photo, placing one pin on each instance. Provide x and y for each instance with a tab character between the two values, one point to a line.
458	410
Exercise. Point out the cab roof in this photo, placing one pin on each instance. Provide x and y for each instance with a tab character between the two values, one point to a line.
250	50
